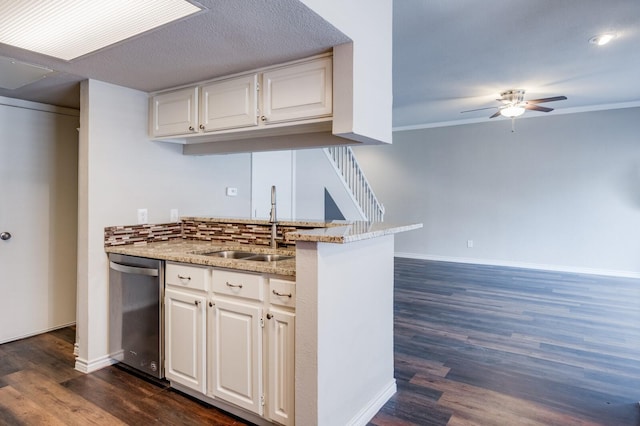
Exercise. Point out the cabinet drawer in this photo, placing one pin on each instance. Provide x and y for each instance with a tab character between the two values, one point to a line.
238	284
282	292
187	276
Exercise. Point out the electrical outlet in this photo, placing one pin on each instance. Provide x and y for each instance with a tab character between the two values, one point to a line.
174	215
232	192
469	243
142	216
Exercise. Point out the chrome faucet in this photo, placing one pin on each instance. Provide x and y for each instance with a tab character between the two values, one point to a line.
272	217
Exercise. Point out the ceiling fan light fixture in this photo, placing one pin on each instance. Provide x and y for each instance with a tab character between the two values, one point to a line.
512	111
602	39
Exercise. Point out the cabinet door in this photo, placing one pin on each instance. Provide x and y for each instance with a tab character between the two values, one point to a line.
175	113
235	362
298	91
229	104
184	339
280	396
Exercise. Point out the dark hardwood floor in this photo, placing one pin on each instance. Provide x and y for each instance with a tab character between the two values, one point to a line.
483	345
474	345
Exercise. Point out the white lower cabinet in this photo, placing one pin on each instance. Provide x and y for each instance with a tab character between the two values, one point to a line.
225	339
184	338
280	370
235	359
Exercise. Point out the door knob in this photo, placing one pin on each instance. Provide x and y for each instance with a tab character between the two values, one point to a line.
5	236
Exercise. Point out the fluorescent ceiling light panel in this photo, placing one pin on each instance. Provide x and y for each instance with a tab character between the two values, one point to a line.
15	74
68	29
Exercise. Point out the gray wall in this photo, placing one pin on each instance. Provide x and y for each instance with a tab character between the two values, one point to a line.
562	192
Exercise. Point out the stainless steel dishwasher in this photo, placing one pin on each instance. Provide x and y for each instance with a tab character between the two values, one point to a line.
136	314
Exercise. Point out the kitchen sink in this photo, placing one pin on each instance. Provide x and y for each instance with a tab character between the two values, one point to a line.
269	257
230	254
246	255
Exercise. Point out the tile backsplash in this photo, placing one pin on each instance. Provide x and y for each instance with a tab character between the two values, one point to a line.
239	233
141	234
220	232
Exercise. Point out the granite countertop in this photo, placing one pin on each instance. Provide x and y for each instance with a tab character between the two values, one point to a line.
348	233
190	251
334	231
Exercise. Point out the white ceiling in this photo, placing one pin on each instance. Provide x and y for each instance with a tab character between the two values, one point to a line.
449	56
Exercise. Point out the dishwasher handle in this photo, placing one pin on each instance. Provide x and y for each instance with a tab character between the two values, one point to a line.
133	269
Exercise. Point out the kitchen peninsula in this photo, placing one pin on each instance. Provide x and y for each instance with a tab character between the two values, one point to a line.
343	274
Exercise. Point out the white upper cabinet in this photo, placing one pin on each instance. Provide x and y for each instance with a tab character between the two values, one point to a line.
174	113
297	92
229	104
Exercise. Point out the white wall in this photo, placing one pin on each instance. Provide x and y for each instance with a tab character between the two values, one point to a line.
121	171
268	169
369	25
314	173
344	331
562	192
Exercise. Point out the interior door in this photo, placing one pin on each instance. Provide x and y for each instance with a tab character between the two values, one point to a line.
38	214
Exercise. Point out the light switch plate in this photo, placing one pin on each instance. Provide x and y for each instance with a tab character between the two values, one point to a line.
174	215
232	192
142	216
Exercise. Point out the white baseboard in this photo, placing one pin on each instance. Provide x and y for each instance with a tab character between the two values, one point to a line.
514	264
35	333
363	417
85	366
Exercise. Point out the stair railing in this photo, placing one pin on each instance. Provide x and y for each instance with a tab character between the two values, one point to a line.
345	164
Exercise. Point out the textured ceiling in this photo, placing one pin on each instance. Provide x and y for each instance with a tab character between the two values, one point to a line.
449	56
232	36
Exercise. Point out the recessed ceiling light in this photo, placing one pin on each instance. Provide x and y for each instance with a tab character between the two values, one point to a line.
602	39
68	29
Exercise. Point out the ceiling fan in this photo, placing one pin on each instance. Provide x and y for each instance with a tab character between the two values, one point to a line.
515	105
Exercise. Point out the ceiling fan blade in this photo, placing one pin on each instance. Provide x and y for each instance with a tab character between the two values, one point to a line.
478	109
497	114
541	100
538	108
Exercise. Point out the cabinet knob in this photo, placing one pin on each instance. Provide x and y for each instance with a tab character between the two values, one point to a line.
202	126
263	118
269	316
197	303
4	236
211	304
191	128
